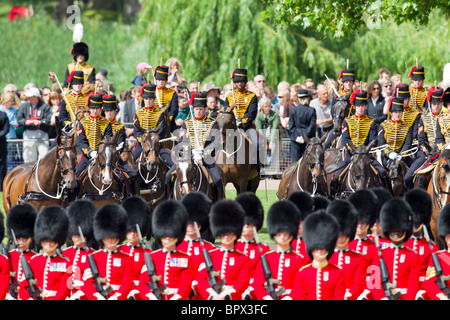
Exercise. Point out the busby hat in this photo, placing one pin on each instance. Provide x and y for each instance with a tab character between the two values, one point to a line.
254	211
421	204
396	104
197	205
170	219
76	77
20	220
347	75
80	48
303	201
109	103
95	100
417	73
161	73
148	91
199	100
139	213
283	216
443	221
402	91
239	75
446	96
52	223
345	213
435	95
110	221
396	214
358	98
320	231
320	202
303	93
226	216
81	214
366	203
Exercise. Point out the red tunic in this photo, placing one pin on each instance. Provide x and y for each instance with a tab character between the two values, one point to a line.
137	255
233	266
16	266
284	267
116	267
354	267
175	270
429	285
78	259
319	283
5	269
52	275
299	246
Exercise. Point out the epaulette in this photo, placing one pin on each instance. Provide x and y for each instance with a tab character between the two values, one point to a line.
305	266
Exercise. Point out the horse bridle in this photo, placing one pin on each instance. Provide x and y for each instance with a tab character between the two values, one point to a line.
145	153
58	160
361	176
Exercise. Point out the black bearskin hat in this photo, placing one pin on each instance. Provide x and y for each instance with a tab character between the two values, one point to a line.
396	214
320	202
81	213
169	219
283	216
226	216
21	219
303	201
421	204
345	213
383	196
366	203
52	223
80	48
110	221
139	213
198	206
254	210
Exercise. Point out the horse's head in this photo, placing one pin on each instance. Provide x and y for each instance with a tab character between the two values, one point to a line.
186	174
67	156
127	154
80	112
107	158
150	148
315	155
340	111
361	164
226	120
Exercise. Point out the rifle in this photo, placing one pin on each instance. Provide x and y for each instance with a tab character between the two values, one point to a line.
212	279
152	284
12	284
98	281
440	278
270	281
388	287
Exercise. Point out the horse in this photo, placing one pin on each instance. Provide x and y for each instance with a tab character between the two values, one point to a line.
397	170
439	190
99	183
341	109
234	156
308	173
151	169
49	181
360	173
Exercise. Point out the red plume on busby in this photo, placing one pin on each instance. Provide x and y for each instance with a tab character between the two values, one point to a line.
353	96
435	95
191	100
396	104
417	73
161	73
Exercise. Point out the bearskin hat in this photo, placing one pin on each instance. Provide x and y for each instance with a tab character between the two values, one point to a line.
303	201
421	204
170	219
226	216
198	206
320	202
52	223
443	221
21	219
283	216
81	214
161	73
366	203
383	196
110	221
80	48
139	213
345	213
396	214
254	210
320	231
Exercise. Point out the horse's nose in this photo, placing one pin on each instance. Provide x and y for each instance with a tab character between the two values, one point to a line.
106	180
71	183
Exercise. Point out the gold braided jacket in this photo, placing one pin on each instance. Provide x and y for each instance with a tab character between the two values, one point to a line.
165	96
148	118
429	122
85	67
242	100
395	133
418	98
200	129
444	123
91	128
410	115
359	128
74	100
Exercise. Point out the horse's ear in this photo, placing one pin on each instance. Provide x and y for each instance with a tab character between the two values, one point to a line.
307	140
323	138
371	144
142	130
100	134
351	145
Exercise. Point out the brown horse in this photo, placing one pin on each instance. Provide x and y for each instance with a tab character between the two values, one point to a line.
234	156
99	182
307	174
49	181
151	169
439	190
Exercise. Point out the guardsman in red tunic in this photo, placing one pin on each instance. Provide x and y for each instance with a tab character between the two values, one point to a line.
401	262
20	227
282	222
50	268
5	265
115	267
227	221
139	214
319	280
173	267
353	264
383	196
422	207
197	205
305	204
430	285
81	215
254	219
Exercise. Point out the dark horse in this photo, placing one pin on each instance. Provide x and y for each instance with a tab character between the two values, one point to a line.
307	174
396	172
151	169
99	182
341	110
49	181
234	156
360	173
